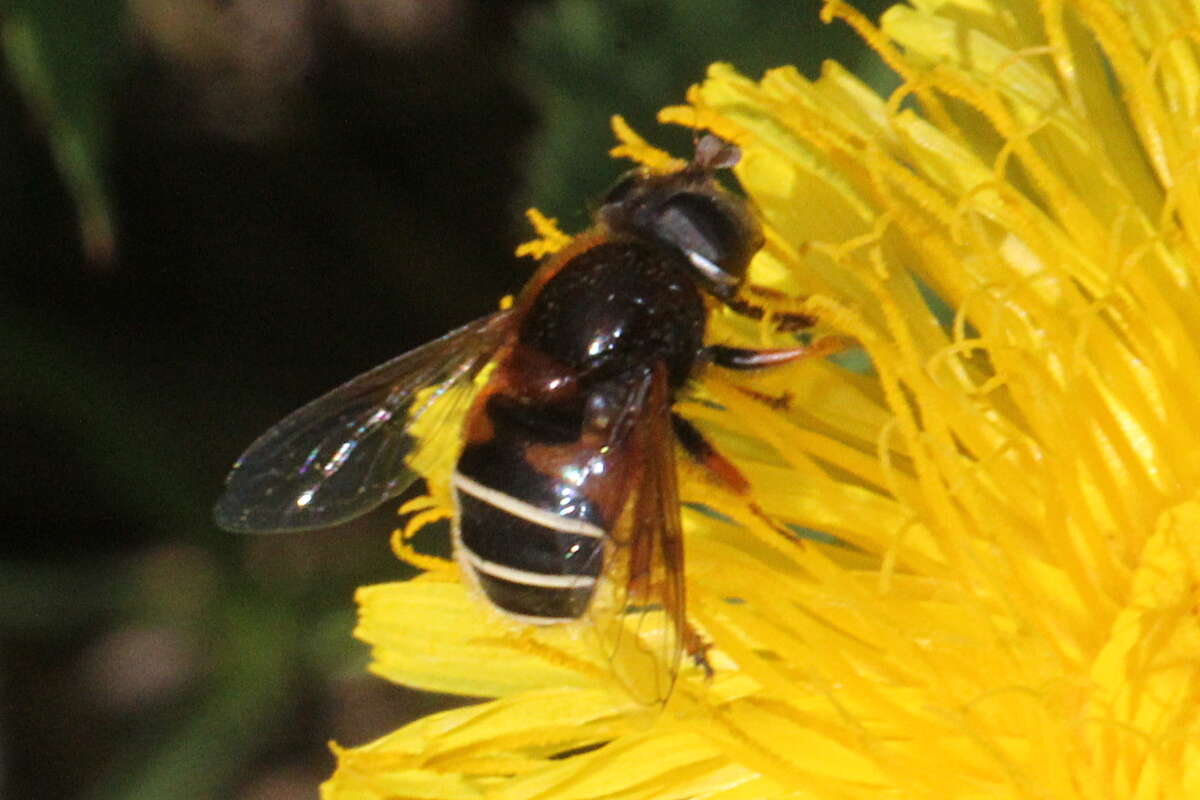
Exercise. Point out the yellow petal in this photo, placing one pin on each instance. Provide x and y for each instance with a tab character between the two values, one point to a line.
988	588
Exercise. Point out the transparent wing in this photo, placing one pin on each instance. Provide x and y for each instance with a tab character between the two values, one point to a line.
346	452
640	612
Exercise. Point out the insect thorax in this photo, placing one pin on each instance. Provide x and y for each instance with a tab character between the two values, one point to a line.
616	308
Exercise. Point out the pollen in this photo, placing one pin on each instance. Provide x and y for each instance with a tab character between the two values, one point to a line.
550	238
637	149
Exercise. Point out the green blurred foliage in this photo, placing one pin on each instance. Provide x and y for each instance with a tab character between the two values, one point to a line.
586	60
257	643
65	58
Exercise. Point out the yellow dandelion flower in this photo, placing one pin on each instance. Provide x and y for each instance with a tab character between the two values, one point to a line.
1009	606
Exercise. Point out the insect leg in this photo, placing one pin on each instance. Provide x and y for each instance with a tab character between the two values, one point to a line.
783	321
703	453
741	358
697	648
722	470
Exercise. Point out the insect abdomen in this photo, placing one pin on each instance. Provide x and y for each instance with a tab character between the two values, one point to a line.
533	544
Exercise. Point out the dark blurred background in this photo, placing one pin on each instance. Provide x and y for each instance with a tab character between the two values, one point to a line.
212	211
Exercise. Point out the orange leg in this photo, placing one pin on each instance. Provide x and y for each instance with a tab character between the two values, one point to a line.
697	648
783	320
740	358
723	471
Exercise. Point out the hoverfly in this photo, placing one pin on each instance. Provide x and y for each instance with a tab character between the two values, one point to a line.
565	481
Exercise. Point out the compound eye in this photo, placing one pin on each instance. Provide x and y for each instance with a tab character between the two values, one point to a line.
713	237
622	188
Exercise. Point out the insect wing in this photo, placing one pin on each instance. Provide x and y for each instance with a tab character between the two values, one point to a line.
640	611
348	451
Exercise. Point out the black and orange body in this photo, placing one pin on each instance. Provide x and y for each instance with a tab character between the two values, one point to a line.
565	482
548	461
